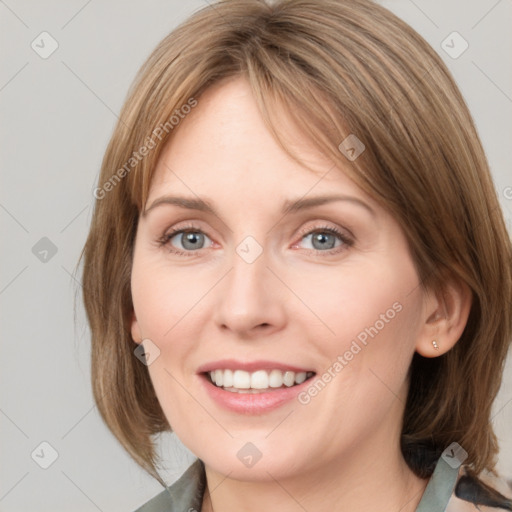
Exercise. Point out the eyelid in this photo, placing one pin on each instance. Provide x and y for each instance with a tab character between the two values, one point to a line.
188	226
341	231
347	240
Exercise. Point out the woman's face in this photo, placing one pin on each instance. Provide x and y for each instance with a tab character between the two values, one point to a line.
265	296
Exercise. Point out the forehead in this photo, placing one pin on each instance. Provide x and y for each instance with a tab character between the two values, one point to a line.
223	149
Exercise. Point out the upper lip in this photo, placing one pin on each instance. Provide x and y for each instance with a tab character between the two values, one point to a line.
250	366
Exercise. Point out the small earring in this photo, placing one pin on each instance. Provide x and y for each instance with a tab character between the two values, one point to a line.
436	346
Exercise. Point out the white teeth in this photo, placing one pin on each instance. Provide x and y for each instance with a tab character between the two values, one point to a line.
300	377
260	379
289	379
219	374
227	379
276	379
241	379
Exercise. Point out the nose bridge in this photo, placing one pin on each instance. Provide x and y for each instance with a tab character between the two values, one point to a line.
248	299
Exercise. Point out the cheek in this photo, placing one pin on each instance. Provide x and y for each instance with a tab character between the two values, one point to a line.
374	319
168	306
162	303
368	318
163	297
354	298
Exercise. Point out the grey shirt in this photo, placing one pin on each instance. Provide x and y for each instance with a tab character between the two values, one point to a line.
186	494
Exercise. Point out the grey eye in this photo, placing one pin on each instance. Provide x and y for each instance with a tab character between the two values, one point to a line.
191	240
322	240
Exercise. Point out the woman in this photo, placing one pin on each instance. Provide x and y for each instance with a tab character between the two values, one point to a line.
298	263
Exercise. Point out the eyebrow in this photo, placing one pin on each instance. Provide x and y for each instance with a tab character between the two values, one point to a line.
289	206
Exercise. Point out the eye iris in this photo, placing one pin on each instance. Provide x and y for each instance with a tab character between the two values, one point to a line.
321	237
192	238
320	240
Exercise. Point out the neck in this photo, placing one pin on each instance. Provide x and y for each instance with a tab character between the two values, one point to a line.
375	480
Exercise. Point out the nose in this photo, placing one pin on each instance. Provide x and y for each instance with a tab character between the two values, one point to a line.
250	299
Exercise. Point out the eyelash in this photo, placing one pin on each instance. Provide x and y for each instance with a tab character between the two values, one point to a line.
347	242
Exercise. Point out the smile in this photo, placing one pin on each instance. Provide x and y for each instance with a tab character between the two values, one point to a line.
241	381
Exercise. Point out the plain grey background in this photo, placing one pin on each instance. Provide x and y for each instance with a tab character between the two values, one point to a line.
57	114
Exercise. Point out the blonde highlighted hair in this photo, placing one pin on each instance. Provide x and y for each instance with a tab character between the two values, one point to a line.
339	68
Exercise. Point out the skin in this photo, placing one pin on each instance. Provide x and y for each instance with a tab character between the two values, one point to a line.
293	304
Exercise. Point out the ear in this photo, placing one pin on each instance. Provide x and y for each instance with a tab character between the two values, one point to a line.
446	312
136	335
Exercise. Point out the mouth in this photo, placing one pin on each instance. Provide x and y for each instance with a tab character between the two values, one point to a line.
259	381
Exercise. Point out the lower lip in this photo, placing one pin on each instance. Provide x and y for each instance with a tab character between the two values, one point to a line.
252	403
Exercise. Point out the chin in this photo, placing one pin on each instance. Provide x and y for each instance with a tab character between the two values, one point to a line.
258	460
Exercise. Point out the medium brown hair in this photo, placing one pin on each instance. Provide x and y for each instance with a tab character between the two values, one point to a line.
339	68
